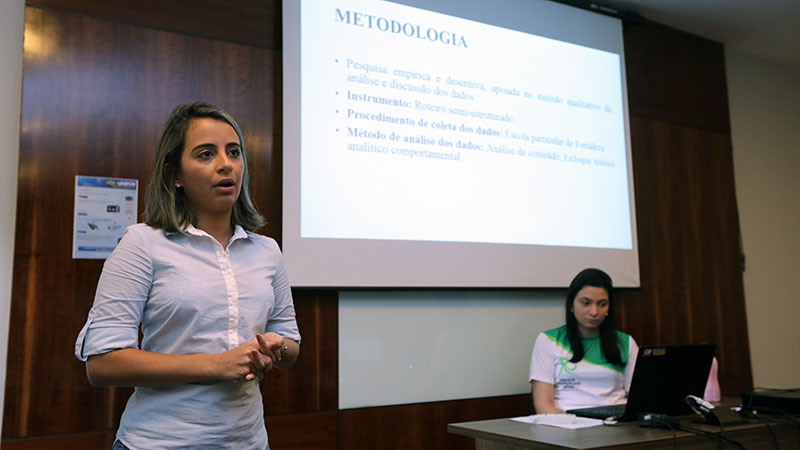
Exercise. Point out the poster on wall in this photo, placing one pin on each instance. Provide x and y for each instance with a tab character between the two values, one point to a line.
104	207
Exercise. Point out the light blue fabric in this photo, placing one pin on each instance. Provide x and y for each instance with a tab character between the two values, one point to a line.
191	296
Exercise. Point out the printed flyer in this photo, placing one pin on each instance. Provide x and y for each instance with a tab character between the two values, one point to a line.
104	207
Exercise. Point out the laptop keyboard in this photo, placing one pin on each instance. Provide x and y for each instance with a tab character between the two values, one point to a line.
600	412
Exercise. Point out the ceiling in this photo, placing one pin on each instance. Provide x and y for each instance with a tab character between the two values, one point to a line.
767	29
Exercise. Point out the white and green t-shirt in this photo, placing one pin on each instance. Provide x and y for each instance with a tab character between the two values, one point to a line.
590	382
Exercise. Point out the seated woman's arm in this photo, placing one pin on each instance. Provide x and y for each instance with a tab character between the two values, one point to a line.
543	400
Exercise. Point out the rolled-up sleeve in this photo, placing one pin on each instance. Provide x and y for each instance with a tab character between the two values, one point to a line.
282	320
122	291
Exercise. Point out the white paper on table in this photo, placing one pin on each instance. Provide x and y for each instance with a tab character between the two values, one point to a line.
567	421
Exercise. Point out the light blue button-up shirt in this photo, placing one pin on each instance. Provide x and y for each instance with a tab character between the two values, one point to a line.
190	295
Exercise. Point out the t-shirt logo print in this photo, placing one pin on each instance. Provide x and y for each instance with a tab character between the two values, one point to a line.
565	366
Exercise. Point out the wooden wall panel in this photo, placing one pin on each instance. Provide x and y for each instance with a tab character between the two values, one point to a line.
252	22
95	96
422	425
310	385
100	440
690	258
314	431
687	219
676	76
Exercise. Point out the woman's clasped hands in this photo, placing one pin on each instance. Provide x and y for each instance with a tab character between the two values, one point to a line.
253	359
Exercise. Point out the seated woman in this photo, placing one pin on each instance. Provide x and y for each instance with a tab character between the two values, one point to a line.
585	362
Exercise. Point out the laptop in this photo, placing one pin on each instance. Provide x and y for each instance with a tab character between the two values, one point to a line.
664	375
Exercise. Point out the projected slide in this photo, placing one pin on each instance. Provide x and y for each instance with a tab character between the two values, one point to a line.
418	126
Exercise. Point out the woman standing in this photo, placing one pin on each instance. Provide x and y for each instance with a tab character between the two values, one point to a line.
585	362
212	298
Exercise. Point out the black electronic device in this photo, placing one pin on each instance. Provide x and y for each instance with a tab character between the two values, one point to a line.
785	400
662	378
711	415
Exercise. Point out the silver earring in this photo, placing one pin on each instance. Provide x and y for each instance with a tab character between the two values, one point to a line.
177	185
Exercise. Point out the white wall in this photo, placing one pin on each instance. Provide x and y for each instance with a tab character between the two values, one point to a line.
399	347
11	26
765	121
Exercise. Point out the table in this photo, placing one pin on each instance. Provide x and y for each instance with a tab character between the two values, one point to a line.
506	434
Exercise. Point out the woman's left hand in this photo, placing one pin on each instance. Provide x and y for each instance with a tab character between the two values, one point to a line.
271	345
269	352
281	351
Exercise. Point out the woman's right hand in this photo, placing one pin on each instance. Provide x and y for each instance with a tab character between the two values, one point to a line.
243	363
